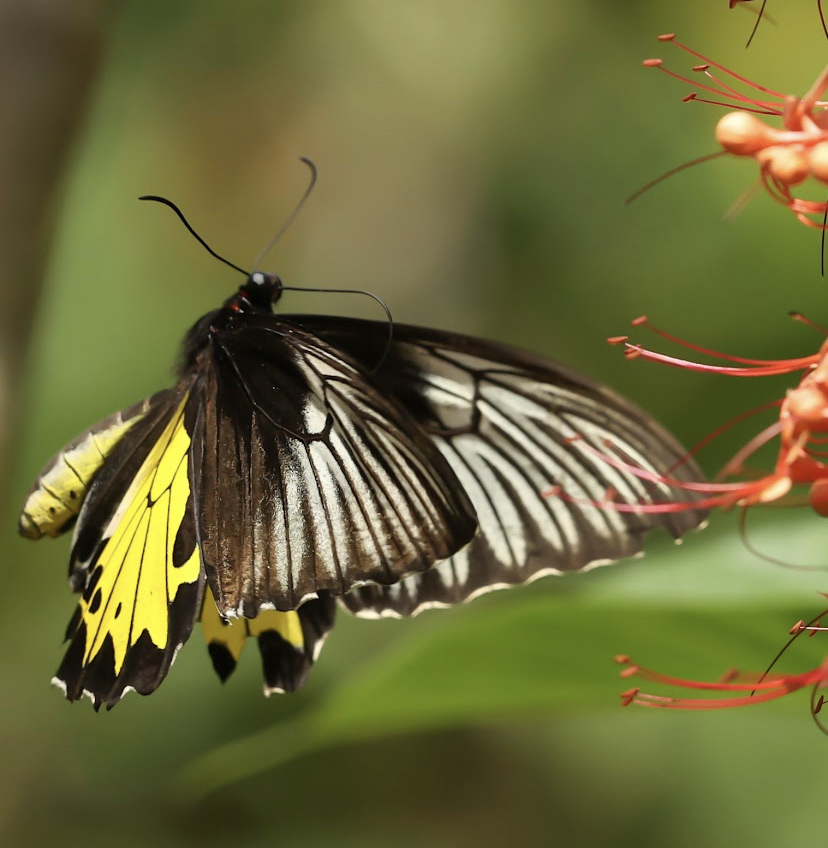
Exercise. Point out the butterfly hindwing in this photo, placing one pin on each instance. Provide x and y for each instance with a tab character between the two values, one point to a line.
514	427
308	479
289	642
136	562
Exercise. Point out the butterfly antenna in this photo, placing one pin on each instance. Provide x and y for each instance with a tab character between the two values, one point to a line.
293	215
375	298
193	233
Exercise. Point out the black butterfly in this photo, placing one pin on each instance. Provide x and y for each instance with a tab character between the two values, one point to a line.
303	459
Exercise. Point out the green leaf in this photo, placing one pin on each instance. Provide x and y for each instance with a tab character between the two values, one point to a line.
545	650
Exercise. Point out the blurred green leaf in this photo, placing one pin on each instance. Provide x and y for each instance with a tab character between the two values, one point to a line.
536	651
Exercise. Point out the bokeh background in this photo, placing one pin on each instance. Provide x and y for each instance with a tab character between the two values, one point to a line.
474	157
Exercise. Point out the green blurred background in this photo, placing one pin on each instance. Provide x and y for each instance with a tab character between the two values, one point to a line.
474	156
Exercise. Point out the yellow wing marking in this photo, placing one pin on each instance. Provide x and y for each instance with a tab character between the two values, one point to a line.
286	624
233	634
58	493
134	580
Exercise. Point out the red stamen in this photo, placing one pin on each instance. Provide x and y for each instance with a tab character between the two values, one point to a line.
770	367
743	107
731	95
803	319
672	172
779	366
737	462
801	428
722	68
760	688
721	495
723	428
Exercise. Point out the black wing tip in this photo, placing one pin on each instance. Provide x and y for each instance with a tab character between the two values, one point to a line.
224	663
284	666
143	669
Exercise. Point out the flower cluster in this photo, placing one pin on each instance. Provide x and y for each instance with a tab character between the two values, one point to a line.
801	435
790	152
787	155
801	428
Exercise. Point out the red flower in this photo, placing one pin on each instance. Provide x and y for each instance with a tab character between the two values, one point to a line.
802	433
801	430
788	155
734	689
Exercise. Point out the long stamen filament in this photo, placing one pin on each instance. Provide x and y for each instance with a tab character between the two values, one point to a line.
782	365
672	38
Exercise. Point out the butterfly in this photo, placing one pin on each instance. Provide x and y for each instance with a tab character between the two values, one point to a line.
302	462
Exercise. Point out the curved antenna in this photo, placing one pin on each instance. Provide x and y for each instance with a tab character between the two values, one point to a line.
375	298
293	215
193	233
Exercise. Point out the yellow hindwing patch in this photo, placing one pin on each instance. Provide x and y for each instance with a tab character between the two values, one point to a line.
286	624
233	634
135	580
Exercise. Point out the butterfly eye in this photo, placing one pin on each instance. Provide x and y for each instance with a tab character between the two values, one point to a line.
262	289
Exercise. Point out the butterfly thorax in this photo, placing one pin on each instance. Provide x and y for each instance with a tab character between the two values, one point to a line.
256	296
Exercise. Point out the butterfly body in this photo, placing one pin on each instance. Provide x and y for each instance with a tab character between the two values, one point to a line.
302	459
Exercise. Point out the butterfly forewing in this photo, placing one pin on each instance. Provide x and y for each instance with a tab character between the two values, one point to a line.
308	479
516	428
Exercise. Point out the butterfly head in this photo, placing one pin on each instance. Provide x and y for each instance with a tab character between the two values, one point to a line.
257	294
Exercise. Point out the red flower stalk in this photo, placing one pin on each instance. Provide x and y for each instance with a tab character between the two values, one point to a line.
735	689
801	430
786	156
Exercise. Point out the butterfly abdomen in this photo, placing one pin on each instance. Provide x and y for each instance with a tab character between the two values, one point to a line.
55	499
